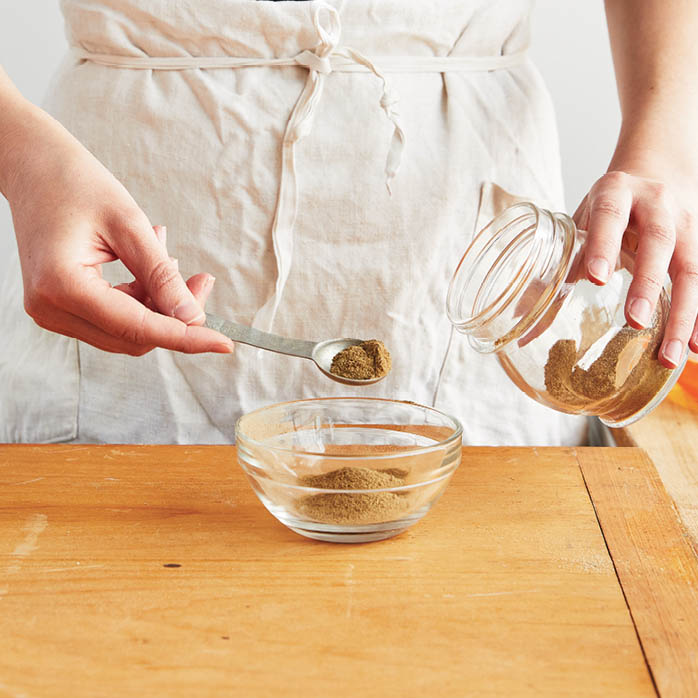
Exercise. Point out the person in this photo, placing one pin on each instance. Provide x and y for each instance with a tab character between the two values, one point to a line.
263	135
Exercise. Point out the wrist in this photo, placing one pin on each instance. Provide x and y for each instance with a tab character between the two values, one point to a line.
654	145
21	122
14	143
26	142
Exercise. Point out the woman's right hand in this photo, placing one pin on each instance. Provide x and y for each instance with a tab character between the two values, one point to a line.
71	216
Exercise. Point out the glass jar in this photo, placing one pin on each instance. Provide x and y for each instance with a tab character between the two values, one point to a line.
520	292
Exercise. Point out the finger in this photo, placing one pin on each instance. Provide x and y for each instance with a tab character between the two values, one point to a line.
161	234
136	290
124	317
693	342
681	325
656	240
72	326
610	202
201	286
148	260
581	215
133	289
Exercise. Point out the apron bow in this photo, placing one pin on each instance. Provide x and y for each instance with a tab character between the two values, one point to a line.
319	65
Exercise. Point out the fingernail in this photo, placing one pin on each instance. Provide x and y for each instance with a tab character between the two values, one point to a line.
640	311
598	268
210	281
225	348
672	351
189	311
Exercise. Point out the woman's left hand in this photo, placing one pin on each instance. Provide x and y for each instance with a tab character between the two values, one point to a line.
640	196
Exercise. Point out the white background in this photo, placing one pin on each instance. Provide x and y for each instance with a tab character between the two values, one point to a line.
570	46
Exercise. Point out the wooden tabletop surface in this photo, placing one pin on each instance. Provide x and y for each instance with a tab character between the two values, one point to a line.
669	434
155	571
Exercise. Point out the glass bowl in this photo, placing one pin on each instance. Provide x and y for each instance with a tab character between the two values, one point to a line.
348	470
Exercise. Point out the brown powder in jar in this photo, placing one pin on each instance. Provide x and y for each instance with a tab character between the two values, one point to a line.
364	361
354	507
558	372
628	365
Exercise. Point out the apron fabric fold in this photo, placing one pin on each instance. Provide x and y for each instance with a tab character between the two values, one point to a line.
263	135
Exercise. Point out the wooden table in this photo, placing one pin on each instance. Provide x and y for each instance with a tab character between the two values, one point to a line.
155	571
669	435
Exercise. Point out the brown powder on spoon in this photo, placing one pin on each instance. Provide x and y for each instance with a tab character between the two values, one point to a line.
354	507
364	361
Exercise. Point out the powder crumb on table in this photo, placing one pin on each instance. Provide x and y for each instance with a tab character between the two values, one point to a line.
364	361
354	507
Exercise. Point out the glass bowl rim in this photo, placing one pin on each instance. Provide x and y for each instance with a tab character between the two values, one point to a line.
457	433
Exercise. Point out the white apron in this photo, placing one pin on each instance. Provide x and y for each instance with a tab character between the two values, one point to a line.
289	209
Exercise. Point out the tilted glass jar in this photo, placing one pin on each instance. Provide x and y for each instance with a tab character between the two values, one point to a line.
520	292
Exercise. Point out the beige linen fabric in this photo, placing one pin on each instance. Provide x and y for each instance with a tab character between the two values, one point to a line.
200	150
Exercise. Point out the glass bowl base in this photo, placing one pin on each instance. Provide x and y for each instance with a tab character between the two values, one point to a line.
349	536
347	533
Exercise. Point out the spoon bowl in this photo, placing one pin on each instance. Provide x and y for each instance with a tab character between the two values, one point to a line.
324	352
320	353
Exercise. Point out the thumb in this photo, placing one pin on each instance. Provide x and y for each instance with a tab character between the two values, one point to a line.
147	259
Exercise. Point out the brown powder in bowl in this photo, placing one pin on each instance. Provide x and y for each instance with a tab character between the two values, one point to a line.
364	361
354	507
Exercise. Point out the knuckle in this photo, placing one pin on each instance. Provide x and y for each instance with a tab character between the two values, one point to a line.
649	283
186	342
31	306
615	178
689	273
135	333
50	285
128	220
189	342
162	275
688	220
38	316
660	191
661	233
139	351
36	300
663	198
683	325
607	205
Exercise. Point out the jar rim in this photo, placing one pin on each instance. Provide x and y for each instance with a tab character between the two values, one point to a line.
523	240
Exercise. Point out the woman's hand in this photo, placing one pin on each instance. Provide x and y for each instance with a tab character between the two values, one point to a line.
651	188
643	197
71	216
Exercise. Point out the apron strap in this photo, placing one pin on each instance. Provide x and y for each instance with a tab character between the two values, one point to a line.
323	60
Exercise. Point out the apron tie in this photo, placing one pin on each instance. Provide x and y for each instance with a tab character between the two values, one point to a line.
299	125
327	57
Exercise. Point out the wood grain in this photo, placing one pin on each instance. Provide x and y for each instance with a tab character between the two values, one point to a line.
669	434
505	589
656	564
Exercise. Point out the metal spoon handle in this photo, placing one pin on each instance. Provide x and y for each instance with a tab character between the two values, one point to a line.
263	340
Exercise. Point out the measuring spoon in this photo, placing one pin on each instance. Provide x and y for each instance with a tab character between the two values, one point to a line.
321	353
